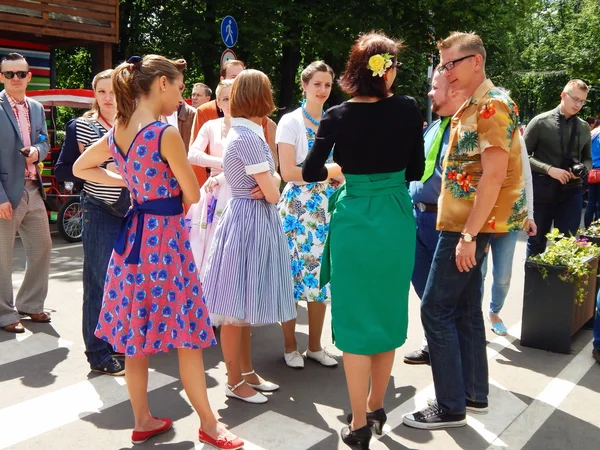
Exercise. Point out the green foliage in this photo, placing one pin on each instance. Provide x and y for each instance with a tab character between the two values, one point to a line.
592	231
571	253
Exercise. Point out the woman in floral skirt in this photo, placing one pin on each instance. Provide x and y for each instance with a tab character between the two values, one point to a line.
303	210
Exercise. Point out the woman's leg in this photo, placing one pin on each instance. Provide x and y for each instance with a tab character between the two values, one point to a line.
316	318
235	343
289	335
381	368
358	371
191	370
136	376
503	253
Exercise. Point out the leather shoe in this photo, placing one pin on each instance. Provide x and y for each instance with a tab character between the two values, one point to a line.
38	318
14	328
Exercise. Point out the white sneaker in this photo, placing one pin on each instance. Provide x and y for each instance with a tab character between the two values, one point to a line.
294	360
322	357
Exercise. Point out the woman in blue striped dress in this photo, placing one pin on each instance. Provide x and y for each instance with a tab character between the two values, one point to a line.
248	280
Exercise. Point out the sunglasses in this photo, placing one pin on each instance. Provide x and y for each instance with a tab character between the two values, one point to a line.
20	74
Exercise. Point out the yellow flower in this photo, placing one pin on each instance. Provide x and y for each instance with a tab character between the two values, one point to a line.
376	63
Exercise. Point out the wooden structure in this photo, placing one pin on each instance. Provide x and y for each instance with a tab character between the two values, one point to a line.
63	23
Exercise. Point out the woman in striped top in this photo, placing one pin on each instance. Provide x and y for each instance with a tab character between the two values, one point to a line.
248	280
103	208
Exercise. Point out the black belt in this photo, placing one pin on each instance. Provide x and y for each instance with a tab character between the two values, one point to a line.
426	207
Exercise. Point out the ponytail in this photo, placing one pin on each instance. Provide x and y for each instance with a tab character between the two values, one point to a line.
125	93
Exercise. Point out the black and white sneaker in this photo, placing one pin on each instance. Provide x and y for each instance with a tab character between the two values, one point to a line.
112	367
434	418
473	407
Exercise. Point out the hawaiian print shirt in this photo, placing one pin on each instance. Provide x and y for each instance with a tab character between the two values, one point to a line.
488	119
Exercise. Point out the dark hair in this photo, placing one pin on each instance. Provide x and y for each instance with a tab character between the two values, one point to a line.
358	79
132	80
593	121
14	57
228	64
314	67
251	95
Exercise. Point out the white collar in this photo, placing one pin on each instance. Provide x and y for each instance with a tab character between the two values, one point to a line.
243	122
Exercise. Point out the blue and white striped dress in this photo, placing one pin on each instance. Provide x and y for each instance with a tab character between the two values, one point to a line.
248	278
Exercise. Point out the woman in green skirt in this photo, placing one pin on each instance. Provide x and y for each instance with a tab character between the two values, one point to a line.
377	139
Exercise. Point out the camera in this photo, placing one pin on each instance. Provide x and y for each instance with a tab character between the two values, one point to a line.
578	169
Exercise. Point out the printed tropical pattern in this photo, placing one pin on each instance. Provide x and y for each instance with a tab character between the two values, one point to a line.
303	211
489	119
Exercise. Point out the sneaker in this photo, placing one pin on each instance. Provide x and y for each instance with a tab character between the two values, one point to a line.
417	357
294	360
473	407
434	418
322	357
596	354
112	367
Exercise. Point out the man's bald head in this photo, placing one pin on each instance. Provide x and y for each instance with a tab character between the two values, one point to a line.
445	101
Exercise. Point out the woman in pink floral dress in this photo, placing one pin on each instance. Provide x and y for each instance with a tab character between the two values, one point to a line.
152	297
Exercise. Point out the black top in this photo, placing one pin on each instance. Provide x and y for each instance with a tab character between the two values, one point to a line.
381	137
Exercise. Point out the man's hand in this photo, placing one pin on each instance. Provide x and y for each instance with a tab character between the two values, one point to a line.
531	229
33	155
6	211
564	176
465	255
211	184
256	193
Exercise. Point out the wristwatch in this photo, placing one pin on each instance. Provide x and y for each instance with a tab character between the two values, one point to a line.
468	237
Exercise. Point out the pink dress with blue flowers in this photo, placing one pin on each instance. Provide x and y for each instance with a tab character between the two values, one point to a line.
156	305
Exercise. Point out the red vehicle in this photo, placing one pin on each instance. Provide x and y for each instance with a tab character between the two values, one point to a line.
63	201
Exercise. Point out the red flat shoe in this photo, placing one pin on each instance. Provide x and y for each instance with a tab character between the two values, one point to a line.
137	437
224	443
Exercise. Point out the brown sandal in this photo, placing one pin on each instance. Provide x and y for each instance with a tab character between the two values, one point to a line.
14	328
38	318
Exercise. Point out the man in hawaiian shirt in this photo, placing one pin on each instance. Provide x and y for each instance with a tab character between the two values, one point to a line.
482	193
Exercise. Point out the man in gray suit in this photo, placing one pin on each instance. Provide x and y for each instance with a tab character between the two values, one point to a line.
23	144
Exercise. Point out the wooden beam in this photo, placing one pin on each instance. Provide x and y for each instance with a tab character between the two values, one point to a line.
101	57
52	32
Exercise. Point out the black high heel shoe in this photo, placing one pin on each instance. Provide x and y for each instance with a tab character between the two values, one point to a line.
357	439
375	419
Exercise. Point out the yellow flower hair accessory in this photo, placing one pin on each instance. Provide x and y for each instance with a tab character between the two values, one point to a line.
378	64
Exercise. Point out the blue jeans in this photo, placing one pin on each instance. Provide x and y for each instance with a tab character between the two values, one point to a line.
454	328
502	247
101	224
427	238
565	213
592	212
597	324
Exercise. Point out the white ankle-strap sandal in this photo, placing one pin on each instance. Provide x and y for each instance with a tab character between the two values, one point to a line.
256	398
267	386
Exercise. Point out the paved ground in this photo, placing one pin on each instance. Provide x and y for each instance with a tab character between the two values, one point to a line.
49	400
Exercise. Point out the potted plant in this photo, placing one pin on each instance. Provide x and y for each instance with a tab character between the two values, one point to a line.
560	292
591	233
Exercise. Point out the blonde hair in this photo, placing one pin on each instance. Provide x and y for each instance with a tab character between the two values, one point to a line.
467	42
223	84
94	111
251	95
132	80
577	84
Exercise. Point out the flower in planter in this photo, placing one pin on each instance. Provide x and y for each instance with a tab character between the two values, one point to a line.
592	231
571	253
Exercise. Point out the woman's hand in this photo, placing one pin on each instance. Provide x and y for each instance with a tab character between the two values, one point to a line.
211	184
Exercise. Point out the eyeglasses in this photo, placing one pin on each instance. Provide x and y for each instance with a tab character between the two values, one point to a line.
576	100
398	64
20	74
450	64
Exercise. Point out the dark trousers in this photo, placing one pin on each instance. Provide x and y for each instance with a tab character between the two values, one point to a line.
101	224
427	238
454	328
592	212
564	213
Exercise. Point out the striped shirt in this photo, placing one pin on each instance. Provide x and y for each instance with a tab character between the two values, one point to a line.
86	135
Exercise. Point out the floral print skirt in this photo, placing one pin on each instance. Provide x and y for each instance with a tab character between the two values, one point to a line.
303	211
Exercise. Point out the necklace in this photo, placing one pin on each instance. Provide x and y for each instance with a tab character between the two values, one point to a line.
104	119
308	116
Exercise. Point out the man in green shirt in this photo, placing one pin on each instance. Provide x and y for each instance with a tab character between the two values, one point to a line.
558	142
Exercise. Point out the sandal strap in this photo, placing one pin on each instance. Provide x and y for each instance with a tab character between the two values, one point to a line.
247	374
233	388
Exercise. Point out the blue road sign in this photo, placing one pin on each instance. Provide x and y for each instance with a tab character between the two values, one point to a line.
229	31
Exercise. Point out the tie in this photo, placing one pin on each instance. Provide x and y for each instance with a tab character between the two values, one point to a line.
30	172
436	145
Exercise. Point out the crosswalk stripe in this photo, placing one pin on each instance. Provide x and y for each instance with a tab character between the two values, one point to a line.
29	345
55	409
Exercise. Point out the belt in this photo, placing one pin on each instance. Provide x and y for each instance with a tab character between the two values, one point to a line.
426	207
170	206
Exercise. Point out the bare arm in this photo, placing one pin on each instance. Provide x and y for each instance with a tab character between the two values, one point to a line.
88	164
269	185
172	150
